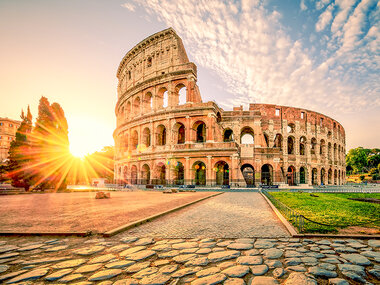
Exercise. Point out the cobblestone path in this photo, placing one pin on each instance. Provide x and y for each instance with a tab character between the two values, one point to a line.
230	215
132	260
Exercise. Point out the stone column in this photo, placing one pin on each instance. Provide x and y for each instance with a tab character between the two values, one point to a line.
209	177
187	171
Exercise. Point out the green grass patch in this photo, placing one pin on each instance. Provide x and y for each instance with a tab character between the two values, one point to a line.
331	208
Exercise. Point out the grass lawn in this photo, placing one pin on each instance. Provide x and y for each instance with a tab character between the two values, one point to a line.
332	208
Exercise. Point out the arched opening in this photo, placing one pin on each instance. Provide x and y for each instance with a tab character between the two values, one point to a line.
125	174
266	139
160	97
149	62
218	117
247	136
267	174
124	144
322	147
145	174
128	111
334	151
146	137
291	128
290	145
161	135
302	175
179	174
278	141
323	178
335	177
181	93
339	177
329	176
165	99
199	173
222	173
249	174
135	139
134	175
314	176
161	174
313	146
136	106
200	128
148	102
329	151
291	176
228	135
302	145
179	133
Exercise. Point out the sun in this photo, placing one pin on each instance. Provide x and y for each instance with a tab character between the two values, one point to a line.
79	150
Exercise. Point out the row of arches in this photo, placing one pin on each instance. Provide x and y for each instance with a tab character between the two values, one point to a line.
148	102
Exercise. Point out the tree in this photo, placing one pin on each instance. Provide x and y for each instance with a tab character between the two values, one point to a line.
102	162
50	146
357	159
18	165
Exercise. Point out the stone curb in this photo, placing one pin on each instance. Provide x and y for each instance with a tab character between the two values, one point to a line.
142	221
284	221
81	234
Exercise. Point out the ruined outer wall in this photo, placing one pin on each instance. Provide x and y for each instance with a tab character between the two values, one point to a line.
8	129
156	131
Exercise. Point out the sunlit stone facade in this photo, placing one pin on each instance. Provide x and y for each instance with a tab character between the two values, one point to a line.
165	134
8	128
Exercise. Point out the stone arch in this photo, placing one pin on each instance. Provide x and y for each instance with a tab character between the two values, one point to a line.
218	117
314	176
249	174
313	146
160	97
181	94
179	133
125	174
329	176
134	174
302	175
322	147
146	139
222	173
160	173
329	151
145	174
291	176
278	141
335	177
147	102
267	174
335	151
291	128
228	135
128	110
135	139
136	106
200	129
323	176
291	140
199	169
302	145
179	173
266	139
161	135
247	136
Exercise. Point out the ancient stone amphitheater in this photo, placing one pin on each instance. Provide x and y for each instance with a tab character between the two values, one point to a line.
165	134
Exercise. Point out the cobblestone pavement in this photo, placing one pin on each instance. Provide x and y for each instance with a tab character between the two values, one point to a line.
230	215
132	260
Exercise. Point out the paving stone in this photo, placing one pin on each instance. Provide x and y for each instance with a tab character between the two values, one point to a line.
31	247
315	254
245	240
128	281
263	244
320	272
251	252
210	280
261	280
345	249
338	281
162	247
374	242
236	271
315	248
199	261
234	281
308	260
323	242
71	278
129	239
155	279
224	243
297	278
333	260
375	272
207	240
259	269
185	245
203	251
89	250
302	250
137	267
215	249
278	272
207	272
31	275
3	268
145	272
297	268
327	266
292	253
240	246
354	276
118	248
272	253
105	274
69	263
207	245
140	255
223	255
132	250
186	271
273	263
58	274
188	250
183	258
328	251
178	240
372	255
250	260
168	254
119	264
144	241
160	262
167	269
225	265
57	248
9	255
351	267
293	261
356	259
88	268
11	275
46	260
102	258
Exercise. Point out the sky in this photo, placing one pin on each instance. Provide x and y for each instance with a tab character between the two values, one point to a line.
321	55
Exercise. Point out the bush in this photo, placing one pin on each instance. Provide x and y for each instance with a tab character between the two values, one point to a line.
373	171
375	177
361	177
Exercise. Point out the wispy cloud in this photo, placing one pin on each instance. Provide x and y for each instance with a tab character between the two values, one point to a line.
247	45
129	6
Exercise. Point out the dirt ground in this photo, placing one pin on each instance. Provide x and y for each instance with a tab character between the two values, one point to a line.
81	212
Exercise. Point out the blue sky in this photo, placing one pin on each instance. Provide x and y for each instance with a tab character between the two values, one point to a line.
321	55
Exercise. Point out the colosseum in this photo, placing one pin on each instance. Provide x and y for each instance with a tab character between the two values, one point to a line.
167	135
